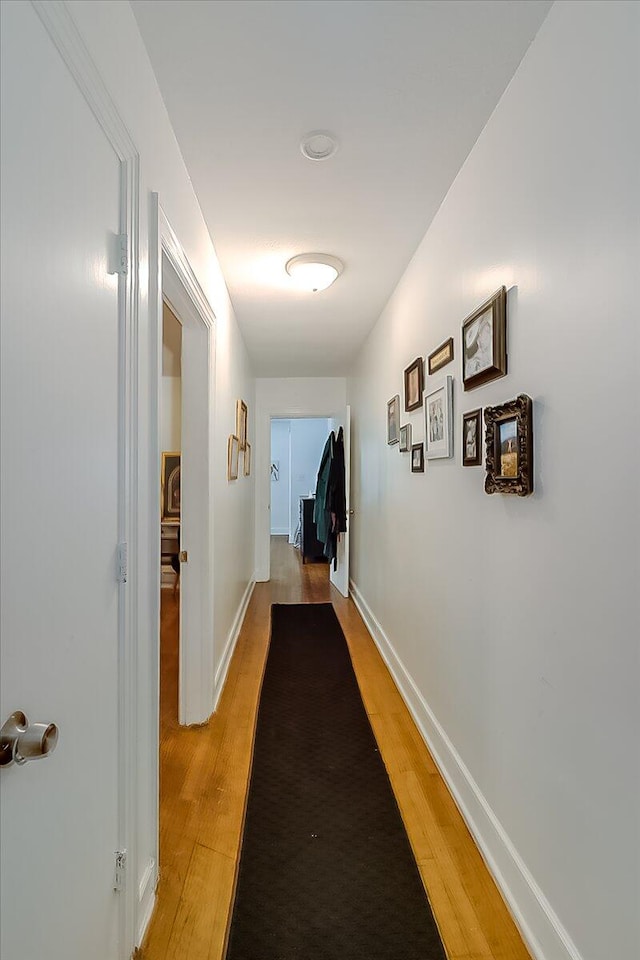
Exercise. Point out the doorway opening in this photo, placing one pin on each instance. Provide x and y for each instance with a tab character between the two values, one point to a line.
170	499
296	445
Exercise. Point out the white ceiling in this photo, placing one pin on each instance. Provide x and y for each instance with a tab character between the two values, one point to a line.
406	86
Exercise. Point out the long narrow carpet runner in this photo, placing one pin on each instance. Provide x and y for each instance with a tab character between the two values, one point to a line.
326	870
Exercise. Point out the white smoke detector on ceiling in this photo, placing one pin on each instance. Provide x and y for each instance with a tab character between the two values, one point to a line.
314	271
318	145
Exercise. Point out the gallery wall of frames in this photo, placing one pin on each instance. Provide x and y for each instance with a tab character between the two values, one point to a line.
508	427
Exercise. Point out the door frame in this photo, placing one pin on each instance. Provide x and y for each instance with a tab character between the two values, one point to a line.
61	28
304	411
172	278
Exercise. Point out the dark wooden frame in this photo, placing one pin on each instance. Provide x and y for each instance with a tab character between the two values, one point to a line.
406	448
497	304
477	460
417	365
435	361
520	410
417	447
171	471
390	403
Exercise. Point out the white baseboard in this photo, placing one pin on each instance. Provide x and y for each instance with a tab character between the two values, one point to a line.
280	532
223	666
146	898
539	925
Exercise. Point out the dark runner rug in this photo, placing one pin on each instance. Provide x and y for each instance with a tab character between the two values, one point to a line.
326	869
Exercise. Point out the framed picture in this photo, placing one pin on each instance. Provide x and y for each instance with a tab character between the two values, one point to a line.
414	384
393	419
405	439
275	470
170	481
440	357
509	447
233	453
472	438
247	460
484	342
241	423
438	421
417	458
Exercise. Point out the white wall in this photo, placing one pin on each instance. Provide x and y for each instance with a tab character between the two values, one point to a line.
280	488
308	438
290	397
171	383
111	35
513	623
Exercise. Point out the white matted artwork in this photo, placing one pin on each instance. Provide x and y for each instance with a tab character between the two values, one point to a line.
438	415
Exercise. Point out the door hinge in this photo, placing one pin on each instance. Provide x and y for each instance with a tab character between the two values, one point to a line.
120	256
121	870
122	562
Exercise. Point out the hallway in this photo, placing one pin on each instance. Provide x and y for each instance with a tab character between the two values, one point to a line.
204	775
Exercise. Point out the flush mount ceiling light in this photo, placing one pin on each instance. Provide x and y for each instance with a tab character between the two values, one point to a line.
314	271
318	145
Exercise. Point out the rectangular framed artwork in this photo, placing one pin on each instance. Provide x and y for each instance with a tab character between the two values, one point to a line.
233	453
393	419
440	357
241	423
414	384
405	438
170	482
484	342
417	458
438	417
509	447
472	438
247	460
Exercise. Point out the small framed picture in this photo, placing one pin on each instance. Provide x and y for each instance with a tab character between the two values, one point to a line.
440	357
509	447
484	342
393	419
233	453
241	423
417	458
405	438
414	384
438	408
247	460
472	438
170	483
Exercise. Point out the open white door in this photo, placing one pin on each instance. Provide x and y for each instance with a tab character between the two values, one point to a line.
62	467
340	577
196	675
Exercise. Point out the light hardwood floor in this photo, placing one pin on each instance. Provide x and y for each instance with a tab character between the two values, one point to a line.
204	776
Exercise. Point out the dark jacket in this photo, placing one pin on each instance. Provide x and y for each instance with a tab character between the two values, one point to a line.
321	512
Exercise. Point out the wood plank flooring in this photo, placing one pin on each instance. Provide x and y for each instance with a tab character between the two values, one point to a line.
204	775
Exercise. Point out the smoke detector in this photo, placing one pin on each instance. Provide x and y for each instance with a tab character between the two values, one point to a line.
318	145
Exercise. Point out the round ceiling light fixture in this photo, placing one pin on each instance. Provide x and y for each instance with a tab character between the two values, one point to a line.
318	145
314	271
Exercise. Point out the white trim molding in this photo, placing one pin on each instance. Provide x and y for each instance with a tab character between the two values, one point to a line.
539	925
146	898
232	639
179	286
